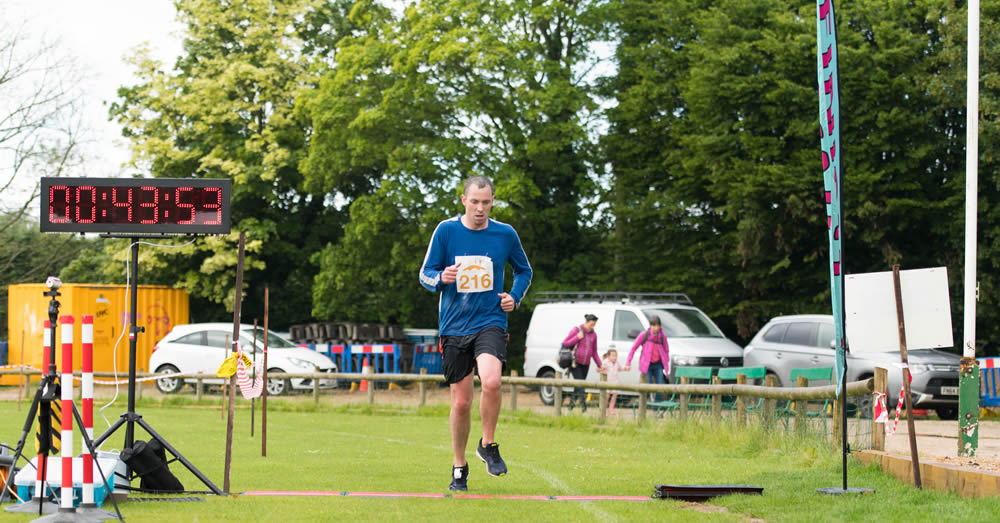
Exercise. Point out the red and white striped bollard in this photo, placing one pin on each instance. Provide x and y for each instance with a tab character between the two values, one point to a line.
87	407
66	385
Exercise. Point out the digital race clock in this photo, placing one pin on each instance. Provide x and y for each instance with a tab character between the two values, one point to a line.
136	205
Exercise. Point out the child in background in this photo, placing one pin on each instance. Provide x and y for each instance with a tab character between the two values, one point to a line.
610	366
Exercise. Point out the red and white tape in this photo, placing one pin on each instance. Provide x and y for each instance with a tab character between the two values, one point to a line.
899	404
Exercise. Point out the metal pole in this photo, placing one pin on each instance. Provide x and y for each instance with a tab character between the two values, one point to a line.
968	419
133	334
237	304
906	377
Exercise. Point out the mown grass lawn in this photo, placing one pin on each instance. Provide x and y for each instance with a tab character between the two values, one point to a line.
356	448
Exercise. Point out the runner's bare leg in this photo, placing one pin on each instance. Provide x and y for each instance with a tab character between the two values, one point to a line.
459	420
490	368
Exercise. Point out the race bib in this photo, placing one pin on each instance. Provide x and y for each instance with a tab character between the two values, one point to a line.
475	274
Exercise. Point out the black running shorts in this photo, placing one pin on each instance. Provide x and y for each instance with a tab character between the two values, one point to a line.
460	352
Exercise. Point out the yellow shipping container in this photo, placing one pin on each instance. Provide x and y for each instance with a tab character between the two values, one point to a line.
158	309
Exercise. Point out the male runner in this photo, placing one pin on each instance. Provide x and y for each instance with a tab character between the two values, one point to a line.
465	263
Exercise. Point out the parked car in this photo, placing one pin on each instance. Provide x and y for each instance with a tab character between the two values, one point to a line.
201	347
788	342
693	338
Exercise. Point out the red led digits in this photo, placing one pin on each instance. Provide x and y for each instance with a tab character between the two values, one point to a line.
188	206
118	204
80	204
217	205
149	205
55	203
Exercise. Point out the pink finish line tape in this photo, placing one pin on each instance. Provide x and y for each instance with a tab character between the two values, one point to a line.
322	493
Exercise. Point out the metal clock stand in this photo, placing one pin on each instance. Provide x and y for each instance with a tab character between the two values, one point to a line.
131	418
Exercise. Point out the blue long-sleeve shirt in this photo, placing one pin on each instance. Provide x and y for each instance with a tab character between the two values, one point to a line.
471	303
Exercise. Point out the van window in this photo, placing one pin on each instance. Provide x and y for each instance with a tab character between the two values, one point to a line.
685	323
826	336
776	332
626	321
801	334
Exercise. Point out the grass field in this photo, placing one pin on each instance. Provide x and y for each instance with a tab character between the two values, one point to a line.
356	448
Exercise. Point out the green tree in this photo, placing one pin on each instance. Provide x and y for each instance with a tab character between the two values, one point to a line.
226	109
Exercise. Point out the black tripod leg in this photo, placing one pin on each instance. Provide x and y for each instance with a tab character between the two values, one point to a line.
208	483
93	456
111	430
32	412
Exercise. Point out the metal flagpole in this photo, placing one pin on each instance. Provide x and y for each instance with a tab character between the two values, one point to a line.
968	398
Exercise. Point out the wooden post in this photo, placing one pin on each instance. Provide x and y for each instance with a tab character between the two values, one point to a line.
198	386
878	428
741	403
557	396
253	401
906	377
371	392
769	381
642	400
237	306
602	402
716	400
138	385
801	407
513	392
315	386
423	388
263	398
684	398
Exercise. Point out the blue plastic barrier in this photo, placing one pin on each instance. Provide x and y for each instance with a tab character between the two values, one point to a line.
990	373
427	356
383	359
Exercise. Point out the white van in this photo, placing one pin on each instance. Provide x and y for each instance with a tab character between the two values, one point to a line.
693	338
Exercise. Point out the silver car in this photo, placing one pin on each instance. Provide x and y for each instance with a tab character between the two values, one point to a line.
790	342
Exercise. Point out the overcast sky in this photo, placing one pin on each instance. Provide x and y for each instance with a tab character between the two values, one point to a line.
97	34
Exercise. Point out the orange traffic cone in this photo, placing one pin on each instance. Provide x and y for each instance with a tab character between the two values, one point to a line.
365	369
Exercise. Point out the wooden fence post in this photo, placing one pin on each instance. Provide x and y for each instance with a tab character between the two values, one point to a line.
199	385
769	381
741	403
371	392
684	398
513	392
642	400
716	400
138	385
423	387
878	428
315	386
557	395
801	407
602	403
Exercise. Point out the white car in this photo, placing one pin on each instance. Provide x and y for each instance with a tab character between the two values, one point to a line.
693	338
201	347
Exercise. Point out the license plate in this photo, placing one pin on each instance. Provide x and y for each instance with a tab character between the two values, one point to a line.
949	391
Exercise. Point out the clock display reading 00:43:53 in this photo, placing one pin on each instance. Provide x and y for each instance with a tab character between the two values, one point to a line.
136	205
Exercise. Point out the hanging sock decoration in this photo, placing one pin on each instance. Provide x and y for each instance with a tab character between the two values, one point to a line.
240	364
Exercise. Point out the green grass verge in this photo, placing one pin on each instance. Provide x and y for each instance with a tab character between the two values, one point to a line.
359	448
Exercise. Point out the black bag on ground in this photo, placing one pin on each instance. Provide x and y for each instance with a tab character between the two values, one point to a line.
149	462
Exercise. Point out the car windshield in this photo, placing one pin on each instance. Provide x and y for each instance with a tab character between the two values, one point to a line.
685	323
273	340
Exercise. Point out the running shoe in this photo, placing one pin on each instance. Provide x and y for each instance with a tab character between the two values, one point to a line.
459	478
490	454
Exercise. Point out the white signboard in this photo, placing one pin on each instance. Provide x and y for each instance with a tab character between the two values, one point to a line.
870	300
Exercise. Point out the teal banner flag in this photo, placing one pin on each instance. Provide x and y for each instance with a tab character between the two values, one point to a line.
833	173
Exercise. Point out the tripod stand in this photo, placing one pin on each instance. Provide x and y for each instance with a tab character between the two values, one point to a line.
48	391
131	418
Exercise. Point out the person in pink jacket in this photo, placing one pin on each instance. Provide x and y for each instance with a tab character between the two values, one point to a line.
654	361
585	340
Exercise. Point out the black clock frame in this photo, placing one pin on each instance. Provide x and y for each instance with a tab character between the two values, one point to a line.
223	185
